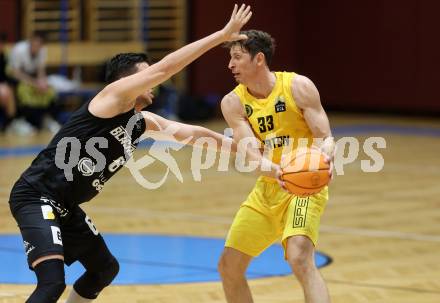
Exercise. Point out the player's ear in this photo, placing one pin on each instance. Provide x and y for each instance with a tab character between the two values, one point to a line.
260	59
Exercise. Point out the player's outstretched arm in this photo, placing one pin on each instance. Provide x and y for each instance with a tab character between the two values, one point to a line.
120	95
234	115
160	128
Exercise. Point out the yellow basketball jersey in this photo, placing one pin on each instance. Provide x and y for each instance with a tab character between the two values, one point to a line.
276	121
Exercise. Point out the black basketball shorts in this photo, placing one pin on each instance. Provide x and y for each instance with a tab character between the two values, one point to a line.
47	228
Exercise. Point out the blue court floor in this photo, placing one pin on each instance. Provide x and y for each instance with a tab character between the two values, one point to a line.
152	259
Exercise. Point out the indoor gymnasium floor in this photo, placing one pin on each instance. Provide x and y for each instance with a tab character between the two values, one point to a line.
381	230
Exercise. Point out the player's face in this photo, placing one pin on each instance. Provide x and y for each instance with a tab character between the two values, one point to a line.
147	97
241	64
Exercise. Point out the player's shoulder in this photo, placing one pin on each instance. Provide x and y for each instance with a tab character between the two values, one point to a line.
231	103
301	82
230	98
302	85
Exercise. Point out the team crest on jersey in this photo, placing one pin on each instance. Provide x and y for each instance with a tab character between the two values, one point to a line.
280	105
249	110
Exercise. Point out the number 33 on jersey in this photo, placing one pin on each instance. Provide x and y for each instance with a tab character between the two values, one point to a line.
276	120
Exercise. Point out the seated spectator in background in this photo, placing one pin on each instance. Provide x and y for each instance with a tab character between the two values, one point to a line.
36	98
7	101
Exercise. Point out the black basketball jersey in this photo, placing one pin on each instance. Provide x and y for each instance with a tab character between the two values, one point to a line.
83	155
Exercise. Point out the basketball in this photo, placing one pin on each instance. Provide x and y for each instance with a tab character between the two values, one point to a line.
306	173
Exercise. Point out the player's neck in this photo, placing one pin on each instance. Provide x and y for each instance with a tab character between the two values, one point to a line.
263	85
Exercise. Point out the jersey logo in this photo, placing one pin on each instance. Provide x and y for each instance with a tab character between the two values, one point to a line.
280	105
249	110
86	166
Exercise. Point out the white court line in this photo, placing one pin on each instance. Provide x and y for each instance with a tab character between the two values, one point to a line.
228	220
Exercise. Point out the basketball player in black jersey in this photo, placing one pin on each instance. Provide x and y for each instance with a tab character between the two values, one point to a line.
103	132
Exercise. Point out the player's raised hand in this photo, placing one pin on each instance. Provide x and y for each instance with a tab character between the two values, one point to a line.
238	19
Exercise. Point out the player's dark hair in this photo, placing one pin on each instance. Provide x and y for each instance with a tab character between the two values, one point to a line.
257	41
123	65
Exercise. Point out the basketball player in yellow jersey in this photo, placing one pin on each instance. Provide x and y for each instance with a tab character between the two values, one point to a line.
275	109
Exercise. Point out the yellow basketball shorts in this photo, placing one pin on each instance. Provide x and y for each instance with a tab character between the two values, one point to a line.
269	213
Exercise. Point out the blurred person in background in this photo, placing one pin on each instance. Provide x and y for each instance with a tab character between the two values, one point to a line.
27	64
7	101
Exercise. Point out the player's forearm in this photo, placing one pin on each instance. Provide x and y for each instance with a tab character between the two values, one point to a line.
320	127
328	146
222	143
176	61
226	144
131	87
264	166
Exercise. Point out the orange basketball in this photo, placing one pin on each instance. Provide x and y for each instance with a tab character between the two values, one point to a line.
307	172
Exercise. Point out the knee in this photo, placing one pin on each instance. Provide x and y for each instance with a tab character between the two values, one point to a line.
105	277
228	269
111	272
91	283
300	259
299	262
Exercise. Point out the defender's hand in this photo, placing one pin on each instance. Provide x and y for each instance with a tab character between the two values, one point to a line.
279	178
239	18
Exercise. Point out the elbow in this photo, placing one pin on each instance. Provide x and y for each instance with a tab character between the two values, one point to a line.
321	132
168	66
196	133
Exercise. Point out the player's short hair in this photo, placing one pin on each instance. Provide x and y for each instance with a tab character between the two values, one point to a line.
257	41
123	65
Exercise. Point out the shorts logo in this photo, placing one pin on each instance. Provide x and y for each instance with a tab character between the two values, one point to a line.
300	214
60	210
28	247
86	166
56	235
47	212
